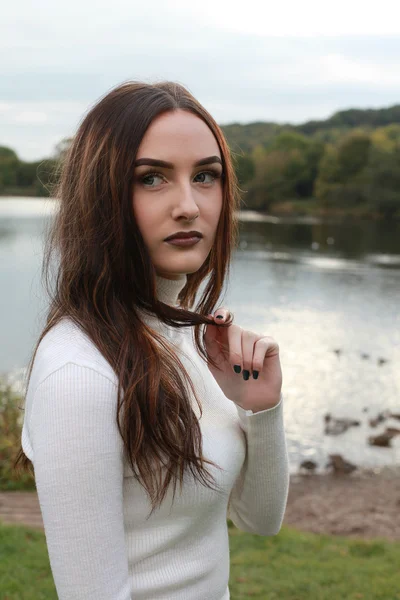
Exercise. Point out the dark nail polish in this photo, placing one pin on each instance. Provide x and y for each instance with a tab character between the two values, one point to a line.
246	374
237	368
219	317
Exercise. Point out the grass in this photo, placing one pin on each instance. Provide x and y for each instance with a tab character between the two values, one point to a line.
294	566
290	566
25	572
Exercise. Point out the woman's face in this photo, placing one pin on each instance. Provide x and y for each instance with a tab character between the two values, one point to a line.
166	198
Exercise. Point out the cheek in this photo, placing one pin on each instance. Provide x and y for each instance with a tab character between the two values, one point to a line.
144	217
214	207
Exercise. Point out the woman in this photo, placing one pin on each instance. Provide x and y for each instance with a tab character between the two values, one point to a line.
130	388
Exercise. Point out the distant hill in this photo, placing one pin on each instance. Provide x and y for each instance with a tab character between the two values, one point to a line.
355	117
348	164
246	137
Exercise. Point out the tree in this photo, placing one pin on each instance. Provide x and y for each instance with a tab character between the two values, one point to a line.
26	173
329	175
8	167
303	156
352	154
387	138
270	183
244	167
381	181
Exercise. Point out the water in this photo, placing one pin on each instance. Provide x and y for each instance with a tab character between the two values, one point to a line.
316	287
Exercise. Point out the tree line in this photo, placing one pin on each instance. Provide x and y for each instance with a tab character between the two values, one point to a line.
350	160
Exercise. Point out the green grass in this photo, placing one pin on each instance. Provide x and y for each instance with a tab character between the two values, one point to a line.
25	572
289	566
296	566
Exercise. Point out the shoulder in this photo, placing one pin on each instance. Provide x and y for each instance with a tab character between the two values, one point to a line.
72	383
67	344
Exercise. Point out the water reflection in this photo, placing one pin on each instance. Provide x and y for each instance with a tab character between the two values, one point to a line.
315	287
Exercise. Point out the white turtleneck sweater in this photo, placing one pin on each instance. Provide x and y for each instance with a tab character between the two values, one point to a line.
100	545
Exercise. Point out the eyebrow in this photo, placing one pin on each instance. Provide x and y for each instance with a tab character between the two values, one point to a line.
167	165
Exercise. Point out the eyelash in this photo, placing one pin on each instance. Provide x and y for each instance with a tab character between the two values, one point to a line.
216	174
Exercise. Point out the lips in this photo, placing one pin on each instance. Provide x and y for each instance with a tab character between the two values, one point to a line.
184	235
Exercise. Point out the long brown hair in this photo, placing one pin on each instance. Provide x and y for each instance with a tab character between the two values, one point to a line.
100	248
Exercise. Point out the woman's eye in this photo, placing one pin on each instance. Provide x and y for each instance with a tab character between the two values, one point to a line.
148	179
210	174
150	176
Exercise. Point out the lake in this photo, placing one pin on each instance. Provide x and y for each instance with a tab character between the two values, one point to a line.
328	292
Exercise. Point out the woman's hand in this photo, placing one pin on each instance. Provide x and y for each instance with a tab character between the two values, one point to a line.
230	346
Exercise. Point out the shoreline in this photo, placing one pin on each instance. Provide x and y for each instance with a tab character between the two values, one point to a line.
362	505
306	211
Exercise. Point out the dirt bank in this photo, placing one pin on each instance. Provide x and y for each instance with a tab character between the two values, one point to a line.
365	504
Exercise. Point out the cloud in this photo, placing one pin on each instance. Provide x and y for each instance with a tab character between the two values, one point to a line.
264	62
31	117
341	69
309	18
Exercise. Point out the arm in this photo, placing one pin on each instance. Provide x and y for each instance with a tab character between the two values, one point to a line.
258	498
78	464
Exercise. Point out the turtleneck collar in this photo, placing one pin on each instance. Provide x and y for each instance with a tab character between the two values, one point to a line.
168	289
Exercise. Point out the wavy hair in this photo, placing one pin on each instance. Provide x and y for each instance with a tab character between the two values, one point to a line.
100	248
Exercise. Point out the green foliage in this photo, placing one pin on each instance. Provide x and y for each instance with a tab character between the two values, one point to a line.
25	173
8	167
244	138
270	181
352	155
30	178
349	119
11	415
286	169
290	140
362	170
244	166
387	138
349	160
6	154
381	181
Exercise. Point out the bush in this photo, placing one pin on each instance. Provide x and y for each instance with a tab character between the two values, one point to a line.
11	417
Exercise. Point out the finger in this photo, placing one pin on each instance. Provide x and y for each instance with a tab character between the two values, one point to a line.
248	341
262	347
221	314
234	336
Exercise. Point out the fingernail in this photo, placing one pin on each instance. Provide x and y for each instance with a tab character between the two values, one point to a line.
219	317
255	374
237	368
246	374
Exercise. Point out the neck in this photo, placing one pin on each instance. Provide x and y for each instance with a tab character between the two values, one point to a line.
169	289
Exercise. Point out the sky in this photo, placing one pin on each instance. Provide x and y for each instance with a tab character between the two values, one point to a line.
286	61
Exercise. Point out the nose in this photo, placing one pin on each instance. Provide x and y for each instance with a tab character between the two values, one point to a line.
185	204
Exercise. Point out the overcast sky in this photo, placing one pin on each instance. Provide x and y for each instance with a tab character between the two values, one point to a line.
284	61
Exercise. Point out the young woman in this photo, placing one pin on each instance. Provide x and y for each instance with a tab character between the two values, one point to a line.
130	388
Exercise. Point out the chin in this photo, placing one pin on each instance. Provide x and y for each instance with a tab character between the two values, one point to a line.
181	266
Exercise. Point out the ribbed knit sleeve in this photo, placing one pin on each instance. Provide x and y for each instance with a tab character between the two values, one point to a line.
78	464
258	498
